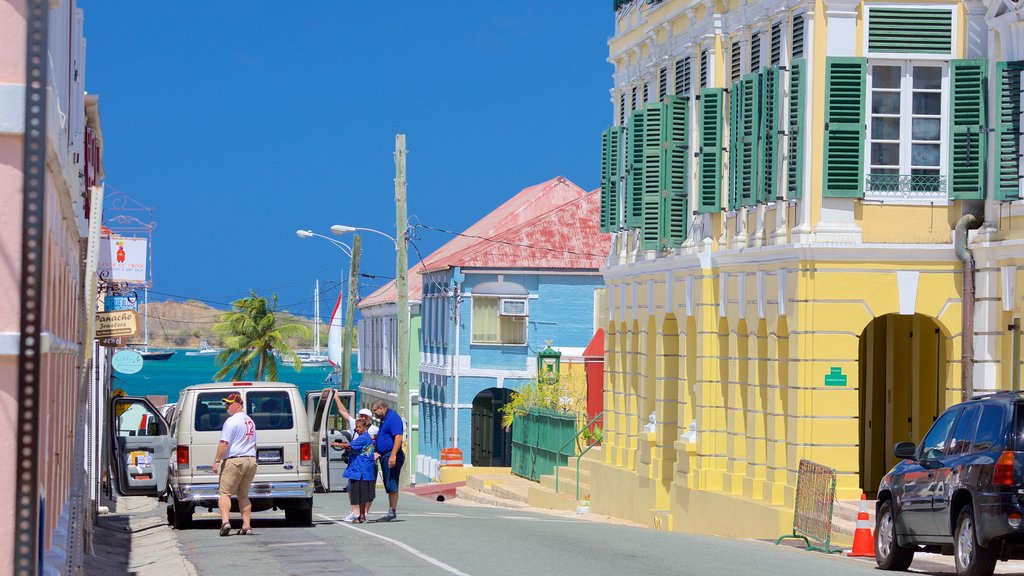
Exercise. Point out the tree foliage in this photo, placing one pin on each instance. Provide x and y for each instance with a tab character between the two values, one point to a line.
251	334
566	394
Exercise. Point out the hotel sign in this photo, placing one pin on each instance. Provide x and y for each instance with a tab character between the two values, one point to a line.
118	323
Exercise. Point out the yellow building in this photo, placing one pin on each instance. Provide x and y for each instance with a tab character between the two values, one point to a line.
787	182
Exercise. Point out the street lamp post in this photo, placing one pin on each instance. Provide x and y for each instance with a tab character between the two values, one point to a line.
353	278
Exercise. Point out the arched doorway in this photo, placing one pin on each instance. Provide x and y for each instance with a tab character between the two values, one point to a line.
903	373
492	444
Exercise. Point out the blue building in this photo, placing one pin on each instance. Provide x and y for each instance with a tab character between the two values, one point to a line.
525	274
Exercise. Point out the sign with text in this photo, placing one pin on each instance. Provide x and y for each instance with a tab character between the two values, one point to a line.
108	342
127	361
123	258
118	323
119	303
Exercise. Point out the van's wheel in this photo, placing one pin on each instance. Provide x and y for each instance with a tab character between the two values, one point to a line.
180	514
889	555
299	516
971	559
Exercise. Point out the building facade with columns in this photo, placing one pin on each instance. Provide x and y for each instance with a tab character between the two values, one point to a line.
817	221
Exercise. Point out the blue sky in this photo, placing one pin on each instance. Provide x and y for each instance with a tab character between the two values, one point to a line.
240	122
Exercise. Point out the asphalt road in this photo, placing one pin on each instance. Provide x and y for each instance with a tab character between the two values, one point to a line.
445	539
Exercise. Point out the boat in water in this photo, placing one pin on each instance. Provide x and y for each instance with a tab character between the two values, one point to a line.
204	350
143	349
315	359
148	354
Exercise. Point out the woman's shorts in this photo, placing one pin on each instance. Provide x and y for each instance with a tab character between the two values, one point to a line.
360	491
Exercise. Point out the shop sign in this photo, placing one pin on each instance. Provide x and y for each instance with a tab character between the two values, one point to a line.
118	323
127	361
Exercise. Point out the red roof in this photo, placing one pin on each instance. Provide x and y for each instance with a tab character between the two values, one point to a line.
553	225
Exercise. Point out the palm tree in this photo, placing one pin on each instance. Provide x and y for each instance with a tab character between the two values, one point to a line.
251	334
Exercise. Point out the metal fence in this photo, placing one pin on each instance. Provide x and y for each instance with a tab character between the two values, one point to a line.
812	514
537	437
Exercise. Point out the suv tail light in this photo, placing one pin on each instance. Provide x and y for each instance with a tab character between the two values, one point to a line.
1002	475
305	454
181	455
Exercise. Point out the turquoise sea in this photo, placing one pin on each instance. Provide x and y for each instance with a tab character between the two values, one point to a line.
168	377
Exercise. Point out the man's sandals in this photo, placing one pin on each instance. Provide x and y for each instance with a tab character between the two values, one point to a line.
225	529
245	532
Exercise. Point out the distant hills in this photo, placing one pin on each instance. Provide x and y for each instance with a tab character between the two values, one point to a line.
185	324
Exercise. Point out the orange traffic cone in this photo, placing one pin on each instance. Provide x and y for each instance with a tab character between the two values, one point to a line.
863	539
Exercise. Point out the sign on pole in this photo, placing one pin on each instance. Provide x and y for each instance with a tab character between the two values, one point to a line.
124	258
127	361
118	323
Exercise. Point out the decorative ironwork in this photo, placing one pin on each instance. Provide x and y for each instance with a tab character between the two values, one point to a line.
112	288
905	185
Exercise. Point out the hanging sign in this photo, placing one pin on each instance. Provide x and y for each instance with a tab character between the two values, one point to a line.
127	361
111	303
123	258
119	323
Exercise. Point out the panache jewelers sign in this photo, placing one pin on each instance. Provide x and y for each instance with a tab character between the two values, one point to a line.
117	323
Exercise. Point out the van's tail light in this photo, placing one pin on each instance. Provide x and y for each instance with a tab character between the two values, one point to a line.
305	453
181	455
1003	473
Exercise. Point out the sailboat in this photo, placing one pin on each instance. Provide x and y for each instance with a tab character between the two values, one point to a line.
315	359
144	350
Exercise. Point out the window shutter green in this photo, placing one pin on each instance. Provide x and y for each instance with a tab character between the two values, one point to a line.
611	164
675	171
735	135
652	177
767	188
968	136
1008	130
795	132
925	30
750	139
712	101
844	127
635	169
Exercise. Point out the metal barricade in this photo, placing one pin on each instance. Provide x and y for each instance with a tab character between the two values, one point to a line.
812	514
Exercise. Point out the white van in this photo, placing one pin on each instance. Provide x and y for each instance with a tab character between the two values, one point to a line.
152	455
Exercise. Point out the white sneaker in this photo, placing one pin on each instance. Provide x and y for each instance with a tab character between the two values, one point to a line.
350	518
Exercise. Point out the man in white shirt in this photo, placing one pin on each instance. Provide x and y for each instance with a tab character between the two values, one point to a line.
237	452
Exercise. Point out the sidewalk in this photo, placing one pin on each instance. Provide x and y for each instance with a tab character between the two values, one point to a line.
134	538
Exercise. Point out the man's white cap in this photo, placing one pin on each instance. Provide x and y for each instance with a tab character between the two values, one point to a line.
366	412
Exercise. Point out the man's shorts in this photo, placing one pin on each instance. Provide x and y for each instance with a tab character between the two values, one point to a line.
236	476
389	474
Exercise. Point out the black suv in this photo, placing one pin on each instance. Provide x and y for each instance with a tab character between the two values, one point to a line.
960	492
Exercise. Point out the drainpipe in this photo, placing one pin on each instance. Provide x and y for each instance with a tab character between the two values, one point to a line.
965	223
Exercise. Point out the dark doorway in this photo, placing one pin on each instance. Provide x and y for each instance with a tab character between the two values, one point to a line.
492	445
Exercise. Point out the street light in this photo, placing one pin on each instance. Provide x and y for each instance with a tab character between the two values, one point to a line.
342	229
402	312
353	254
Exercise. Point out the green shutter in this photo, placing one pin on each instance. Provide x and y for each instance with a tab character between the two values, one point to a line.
675	171
750	139
1008	150
712	101
611	164
924	30
795	132
651	187
844	127
735	123
635	169
968	135
768	188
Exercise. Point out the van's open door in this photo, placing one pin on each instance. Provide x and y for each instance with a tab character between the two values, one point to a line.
327	426
141	447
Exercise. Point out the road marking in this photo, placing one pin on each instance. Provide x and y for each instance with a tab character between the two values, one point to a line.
311	543
528	519
401	545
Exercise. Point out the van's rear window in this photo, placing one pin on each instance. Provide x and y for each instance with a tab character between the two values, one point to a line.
210	412
269	409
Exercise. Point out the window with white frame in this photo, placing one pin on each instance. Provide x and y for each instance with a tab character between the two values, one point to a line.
499	320
907	129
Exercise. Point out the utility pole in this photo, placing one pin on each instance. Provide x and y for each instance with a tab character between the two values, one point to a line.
350	316
402	288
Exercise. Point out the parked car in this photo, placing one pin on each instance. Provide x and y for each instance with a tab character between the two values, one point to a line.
151	455
960	492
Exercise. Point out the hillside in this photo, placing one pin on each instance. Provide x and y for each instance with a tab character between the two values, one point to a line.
185	324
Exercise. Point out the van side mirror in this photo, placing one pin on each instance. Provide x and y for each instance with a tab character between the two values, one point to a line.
905	450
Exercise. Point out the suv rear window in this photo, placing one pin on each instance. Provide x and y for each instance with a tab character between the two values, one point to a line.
269	409
210	412
991	433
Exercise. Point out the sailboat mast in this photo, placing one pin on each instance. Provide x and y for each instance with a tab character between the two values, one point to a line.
316	319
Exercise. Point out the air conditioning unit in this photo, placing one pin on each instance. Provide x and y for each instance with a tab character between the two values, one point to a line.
513	307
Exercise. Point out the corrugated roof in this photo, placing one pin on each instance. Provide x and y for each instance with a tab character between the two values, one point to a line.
553	225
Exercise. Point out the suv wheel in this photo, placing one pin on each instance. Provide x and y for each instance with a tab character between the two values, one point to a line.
300	514
180	514
889	555
971	559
